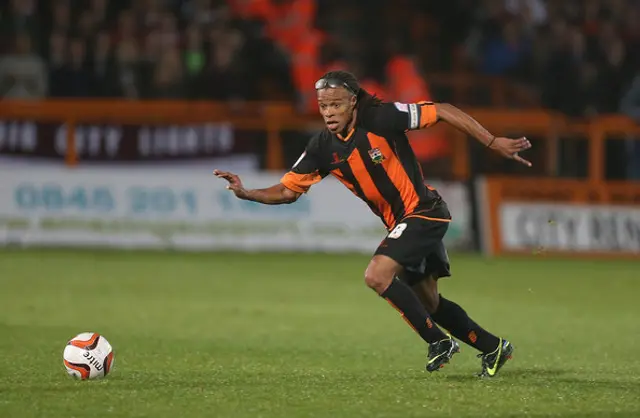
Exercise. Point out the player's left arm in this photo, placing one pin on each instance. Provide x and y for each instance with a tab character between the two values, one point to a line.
403	117
462	121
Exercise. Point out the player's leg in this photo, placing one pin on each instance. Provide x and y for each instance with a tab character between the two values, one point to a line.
398	250
495	351
381	276
453	317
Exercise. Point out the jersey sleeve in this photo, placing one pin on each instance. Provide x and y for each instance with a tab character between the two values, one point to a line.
306	171
401	117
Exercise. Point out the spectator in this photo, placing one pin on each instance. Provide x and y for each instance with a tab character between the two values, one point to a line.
61	17
194	59
99	12
79	76
127	71
225	74
126	28
504	52
198	12
168	31
102	66
167	81
23	73
534	10
20	18
58	79
630	103
611	77
86	26
566	75
631	36
630	106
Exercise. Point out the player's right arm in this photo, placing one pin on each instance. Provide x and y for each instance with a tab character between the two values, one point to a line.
277	194
298	180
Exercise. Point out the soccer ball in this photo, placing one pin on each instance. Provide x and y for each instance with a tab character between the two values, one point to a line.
88	356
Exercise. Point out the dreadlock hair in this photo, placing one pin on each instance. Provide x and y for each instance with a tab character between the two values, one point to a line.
363	97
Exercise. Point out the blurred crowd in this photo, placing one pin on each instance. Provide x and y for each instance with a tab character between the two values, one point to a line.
577	56
132	49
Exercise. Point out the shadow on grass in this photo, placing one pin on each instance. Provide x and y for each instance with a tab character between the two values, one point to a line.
506	375
546	377
559	378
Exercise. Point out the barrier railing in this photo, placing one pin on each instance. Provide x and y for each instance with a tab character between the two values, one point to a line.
274	118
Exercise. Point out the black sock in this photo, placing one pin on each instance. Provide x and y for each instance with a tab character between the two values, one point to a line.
455	320
400	296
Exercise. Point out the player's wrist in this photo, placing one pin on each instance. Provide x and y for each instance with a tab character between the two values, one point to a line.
243	193
490	142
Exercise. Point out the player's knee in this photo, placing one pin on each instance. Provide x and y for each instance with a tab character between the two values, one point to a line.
377	277
380	273
377	280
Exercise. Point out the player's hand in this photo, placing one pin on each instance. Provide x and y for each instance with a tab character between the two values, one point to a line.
235	184
510	148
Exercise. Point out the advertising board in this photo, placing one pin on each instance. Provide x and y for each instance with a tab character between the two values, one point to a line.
154	207
559	216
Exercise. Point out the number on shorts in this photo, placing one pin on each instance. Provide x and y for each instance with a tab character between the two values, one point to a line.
397	231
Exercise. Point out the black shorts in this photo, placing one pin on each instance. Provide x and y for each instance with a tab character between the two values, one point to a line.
416	244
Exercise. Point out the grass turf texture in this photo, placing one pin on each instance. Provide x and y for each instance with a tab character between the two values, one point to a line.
284	335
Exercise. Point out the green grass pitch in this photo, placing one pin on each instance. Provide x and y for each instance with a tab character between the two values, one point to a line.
295	335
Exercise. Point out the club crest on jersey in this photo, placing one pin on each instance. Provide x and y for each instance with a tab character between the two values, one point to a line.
376	155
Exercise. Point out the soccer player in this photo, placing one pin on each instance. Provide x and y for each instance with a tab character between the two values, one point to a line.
366	148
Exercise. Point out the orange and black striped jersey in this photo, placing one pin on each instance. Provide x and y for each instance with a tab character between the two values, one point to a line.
375	161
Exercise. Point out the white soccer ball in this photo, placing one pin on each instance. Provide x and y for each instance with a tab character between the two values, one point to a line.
88	356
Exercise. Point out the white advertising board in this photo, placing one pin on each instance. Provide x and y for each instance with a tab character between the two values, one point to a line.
570	227
154	207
